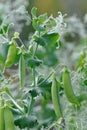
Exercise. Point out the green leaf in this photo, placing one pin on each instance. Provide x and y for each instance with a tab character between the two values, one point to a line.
6	89
44	83
38	22
34	62
42	18
33	11
15	111
33	92
4	29
45	86
51	23
85	82
1	21
26	122
50	59
44	115
1	31
37	25
47	39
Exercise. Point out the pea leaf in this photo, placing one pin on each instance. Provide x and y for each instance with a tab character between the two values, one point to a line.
34	62
50	59
24	122
38	22
15	111
1	21
33	93
47	39
45	86
34	11
37	26
42	18
4	29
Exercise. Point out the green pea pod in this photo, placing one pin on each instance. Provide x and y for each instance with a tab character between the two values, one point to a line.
2	125
9	120
11	56
22	70
68	87
55	97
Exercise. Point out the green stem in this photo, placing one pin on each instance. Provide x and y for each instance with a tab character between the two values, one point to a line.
34	76
31	106
50	127
61	125
15	103
34	79
35	50
21	42
46	79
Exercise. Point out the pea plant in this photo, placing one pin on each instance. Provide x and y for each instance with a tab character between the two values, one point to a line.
36	90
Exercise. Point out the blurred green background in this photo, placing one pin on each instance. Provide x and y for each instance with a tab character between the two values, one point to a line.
70	7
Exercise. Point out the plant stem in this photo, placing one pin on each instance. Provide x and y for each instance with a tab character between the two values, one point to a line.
21	42
15	103
34	76
34	79
35	50
30	107
46	79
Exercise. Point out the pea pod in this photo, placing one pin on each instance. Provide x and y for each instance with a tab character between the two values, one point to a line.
68	87
22	70
55	97
2	125
9	120
11	56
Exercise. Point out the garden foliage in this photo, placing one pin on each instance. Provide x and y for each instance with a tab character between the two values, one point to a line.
43	80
